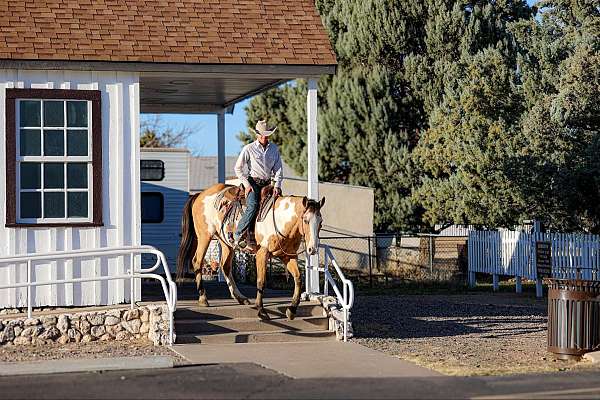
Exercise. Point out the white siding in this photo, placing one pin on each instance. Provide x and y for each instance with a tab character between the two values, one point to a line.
121	198
175	190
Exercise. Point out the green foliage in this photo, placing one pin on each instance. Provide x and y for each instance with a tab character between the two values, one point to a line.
480	112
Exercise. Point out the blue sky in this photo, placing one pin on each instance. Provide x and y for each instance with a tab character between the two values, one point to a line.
204	139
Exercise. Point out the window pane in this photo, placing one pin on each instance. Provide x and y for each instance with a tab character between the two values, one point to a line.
77	143
54	113
31	175
54	143
29	113
77	176
152	207
152	170
54	176
54	205
31	205
77	204
30	142
77	114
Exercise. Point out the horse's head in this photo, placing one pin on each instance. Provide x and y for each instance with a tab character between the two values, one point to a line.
311	221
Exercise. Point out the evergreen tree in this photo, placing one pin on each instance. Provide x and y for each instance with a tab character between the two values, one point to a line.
367	117
559	168
465	77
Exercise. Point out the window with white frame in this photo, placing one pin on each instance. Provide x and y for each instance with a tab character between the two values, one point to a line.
54	160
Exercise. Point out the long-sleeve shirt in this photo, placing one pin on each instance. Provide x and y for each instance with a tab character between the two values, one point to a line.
259	162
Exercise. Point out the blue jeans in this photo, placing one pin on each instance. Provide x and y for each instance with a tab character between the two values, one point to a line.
252	204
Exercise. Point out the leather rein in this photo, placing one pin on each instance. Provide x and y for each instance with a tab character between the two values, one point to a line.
278	232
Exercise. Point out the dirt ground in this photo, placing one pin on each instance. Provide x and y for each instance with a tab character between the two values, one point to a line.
467	334
106	349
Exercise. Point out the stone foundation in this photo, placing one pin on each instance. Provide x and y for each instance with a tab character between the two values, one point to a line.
147	322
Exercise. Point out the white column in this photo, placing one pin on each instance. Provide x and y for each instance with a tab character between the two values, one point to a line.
313	170
221	146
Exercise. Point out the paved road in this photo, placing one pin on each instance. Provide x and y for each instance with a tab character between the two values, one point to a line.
229	381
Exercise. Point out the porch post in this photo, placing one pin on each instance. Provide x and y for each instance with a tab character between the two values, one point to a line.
221	163
221	146
313	173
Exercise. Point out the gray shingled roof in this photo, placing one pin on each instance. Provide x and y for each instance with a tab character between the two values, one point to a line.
203	171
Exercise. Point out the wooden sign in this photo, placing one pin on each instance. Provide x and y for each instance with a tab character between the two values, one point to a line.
543	260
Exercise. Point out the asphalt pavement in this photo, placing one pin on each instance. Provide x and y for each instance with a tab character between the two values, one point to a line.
233	381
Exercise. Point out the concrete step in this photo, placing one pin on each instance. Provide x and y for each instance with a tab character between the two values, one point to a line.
253	324
277	310
257	337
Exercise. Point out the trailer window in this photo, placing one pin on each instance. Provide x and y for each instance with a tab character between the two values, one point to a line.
153	207
152	170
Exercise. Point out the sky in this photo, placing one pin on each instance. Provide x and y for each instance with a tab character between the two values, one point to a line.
203	141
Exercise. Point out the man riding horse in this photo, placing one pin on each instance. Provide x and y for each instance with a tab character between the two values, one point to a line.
288	222
255	165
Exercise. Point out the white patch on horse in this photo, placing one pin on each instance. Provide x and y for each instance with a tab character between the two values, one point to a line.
284	213
211	215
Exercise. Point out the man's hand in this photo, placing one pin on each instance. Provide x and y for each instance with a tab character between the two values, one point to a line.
277	192
248	190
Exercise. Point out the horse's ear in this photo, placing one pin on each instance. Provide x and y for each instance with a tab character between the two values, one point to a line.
304	202
322	202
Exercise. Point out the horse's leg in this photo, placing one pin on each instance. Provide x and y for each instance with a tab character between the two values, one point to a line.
292	267
261	274
226	267
203	243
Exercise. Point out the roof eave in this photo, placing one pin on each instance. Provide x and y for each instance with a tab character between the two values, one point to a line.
279	71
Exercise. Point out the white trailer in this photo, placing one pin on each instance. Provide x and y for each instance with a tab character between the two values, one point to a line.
165	189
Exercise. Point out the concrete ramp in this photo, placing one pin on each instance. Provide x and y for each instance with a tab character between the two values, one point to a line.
314	359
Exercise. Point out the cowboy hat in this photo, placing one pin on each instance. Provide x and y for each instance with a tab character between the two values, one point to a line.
261	128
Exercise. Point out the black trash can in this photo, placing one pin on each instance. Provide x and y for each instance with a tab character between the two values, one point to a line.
573	317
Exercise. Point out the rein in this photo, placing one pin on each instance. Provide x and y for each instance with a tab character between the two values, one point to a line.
278	232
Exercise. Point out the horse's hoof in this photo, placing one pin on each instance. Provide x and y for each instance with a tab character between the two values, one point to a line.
262	314
247	302
202	302
243	301
290	314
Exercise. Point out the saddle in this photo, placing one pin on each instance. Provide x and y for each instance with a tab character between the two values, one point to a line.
231	201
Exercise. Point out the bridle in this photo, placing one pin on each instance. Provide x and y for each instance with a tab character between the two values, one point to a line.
278	232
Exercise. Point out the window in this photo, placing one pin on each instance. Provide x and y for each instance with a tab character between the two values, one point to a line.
152	170
54	157
153	207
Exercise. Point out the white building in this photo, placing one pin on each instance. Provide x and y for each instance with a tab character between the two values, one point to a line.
74	80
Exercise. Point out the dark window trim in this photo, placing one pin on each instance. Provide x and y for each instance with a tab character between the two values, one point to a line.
11	151
162	177
162	208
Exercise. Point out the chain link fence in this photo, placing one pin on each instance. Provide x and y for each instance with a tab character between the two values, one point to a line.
367	260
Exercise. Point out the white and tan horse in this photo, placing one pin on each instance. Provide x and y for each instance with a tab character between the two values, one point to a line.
291	220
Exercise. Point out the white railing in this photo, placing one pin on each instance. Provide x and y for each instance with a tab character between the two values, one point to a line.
168	285
573	256
345	297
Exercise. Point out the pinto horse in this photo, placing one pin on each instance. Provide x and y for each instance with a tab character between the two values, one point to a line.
290	221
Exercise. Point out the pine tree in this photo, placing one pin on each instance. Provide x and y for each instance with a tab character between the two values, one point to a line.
368	119
559	169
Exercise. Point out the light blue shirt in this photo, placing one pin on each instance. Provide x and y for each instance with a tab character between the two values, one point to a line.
259	162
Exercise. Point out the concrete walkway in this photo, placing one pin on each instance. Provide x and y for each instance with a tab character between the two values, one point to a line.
307	359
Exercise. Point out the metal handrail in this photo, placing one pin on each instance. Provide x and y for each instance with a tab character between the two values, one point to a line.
168	285
346	299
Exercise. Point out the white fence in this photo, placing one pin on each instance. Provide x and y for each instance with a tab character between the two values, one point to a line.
574	256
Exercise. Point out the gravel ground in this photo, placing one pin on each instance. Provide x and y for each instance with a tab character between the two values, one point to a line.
474	334
106	349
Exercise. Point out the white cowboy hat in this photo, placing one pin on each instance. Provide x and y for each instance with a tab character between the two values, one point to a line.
261	128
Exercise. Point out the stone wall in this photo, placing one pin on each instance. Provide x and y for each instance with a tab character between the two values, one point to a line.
147	322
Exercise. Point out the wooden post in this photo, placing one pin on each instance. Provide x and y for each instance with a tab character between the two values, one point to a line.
221	145
518	285
313	168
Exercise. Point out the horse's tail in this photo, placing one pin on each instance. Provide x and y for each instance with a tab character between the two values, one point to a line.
188	239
